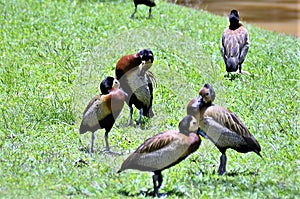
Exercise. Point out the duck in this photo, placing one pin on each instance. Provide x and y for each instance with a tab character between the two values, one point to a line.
235	44
165	150
103	110
149	3
137	81
221	126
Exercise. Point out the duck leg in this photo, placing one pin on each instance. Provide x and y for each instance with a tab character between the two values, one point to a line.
135	9
130	115
92	145
240	68
157	181
150	9
106	140
160	179
141	115
222	167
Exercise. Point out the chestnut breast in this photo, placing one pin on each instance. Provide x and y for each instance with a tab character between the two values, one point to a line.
127	63
114	100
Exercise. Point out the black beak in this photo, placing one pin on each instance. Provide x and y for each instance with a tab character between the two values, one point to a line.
200	132
200	100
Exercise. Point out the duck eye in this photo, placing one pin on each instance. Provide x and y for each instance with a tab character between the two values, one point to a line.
207	94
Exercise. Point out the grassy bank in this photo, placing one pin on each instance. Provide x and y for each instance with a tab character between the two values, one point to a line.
53	56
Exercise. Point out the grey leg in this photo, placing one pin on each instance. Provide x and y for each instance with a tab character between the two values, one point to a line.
240	68
155	187
222	167
157	178
130	115
135	9
160	179
93	138
141	115
106	141
150	9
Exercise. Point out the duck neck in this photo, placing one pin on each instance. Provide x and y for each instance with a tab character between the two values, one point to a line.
186	132
234	25
206	105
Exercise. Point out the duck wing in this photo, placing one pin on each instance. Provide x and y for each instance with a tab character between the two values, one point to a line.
95	111
226	119
156	153
226	130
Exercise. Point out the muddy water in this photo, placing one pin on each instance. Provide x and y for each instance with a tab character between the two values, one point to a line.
277	15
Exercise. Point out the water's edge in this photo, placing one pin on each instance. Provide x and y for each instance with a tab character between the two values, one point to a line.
276	15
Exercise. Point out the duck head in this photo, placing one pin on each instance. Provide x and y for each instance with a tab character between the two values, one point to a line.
234	19
147	58
206	95
107	84
188	124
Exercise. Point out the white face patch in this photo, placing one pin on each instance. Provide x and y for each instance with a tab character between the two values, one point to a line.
116	84
193	125
195	104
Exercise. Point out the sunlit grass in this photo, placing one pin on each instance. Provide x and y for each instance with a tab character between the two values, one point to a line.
53	57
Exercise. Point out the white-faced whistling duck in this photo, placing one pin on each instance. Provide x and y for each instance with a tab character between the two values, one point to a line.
235	44
165	150
221	126
137	81
149	3
103	109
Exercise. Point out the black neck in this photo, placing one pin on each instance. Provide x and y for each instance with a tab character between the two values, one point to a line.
205	105
234	26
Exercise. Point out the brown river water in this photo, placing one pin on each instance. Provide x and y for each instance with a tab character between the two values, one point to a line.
282	16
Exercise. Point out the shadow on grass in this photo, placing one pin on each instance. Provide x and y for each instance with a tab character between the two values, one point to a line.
242	173
142	17
86	149
232	173
232	76
149	193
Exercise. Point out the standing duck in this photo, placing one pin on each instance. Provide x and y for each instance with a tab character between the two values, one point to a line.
103	109
149	3
221	126
235	44
165	150
137	81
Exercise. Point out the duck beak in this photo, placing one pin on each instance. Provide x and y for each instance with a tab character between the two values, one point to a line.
200	132
149	61
200	100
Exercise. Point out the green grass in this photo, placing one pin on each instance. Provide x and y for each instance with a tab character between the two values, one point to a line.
54	55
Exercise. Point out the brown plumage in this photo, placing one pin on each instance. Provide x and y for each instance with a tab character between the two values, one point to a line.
221	126
103	109
165	150
149	3
235	44
137	81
